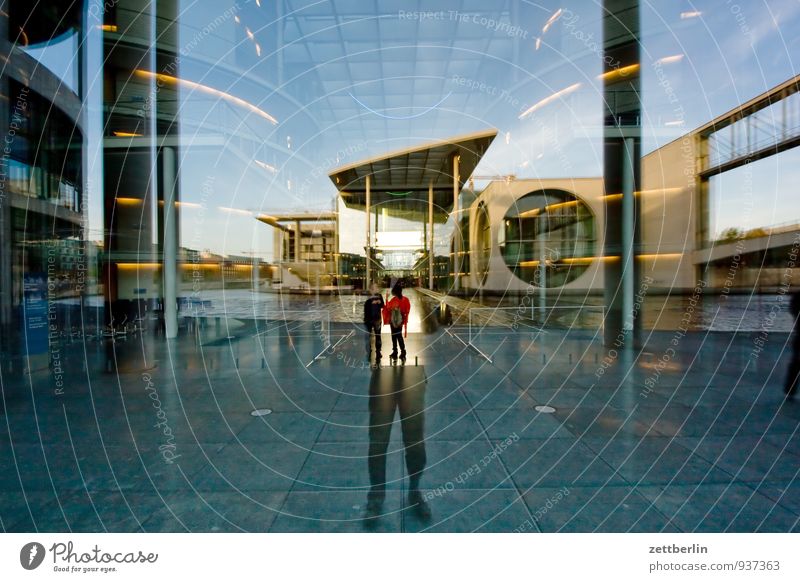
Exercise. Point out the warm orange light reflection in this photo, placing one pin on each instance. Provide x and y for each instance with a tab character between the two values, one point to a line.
138	265
550	99
125	201
266	166
619	74
235	210
208	90
548	208
551	20
618	196
183	204
669	60
660	256
588	260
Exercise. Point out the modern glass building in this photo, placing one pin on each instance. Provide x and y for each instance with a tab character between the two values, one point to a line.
48	255
197	197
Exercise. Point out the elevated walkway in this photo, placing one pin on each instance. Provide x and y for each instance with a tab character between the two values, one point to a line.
721	251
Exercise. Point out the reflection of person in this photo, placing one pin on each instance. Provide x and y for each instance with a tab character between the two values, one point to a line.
373	310
794	366
389	389
396	315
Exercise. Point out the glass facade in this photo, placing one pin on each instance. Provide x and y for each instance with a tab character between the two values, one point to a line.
139	134
48	262
46	154
196	196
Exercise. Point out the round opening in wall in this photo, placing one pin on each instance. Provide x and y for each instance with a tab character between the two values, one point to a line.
547	238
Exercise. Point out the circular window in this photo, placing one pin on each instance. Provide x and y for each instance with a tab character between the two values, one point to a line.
548	238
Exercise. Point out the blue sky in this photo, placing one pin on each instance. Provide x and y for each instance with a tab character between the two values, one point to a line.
347	80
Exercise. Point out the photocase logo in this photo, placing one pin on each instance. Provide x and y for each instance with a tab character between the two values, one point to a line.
31	555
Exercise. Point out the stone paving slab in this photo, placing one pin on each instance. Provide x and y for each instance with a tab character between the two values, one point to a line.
164	439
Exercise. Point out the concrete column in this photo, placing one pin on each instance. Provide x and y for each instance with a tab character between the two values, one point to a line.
701	195
431	255
368	247
784	118
628	225
169	265
297	236
457	237
621	172
256	279
336	241
543	266
6	239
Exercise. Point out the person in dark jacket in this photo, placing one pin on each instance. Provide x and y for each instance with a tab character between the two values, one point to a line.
792	376
373	319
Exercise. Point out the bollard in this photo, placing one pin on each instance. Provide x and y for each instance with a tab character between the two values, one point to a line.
416	363
570	358
544	359
263	363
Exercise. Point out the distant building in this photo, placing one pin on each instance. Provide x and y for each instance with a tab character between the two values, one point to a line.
549	233
306	251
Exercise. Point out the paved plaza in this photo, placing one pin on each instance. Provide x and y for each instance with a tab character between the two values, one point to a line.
690	433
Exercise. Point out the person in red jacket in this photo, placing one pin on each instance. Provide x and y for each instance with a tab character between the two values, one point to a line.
396	315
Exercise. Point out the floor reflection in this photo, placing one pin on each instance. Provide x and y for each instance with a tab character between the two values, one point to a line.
124	447
396	388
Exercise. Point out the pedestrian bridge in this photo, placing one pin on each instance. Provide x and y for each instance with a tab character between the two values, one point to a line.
776	238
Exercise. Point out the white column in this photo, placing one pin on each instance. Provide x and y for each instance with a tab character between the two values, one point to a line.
431	255
368	247
457	237
542	240
336	241
627	235
169	265
297	236
255	274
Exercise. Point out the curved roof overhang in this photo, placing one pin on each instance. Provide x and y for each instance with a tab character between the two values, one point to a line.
406	176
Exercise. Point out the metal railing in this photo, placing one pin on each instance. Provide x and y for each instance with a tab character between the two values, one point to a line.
490	327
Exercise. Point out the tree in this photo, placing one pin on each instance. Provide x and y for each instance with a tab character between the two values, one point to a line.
731	234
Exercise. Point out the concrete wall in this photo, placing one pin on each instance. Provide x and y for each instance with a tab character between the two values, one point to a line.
668	203
498	197
669	209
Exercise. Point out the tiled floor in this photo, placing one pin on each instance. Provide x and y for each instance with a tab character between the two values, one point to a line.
164	440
